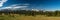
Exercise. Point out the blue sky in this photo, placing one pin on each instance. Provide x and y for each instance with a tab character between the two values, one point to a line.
33	4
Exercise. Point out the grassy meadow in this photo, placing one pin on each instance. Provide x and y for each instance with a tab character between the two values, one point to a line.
23	17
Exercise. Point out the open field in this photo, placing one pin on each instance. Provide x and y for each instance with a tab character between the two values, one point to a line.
22	17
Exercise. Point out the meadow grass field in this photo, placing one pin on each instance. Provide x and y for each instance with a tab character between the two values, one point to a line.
22	17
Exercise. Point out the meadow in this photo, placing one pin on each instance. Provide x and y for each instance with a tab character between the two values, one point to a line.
22	17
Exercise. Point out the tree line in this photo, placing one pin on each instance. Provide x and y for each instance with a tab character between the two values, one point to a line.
32	13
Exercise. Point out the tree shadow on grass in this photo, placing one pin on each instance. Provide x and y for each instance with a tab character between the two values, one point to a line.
1	19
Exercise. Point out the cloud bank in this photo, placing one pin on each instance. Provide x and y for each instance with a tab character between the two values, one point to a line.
16	6
2	2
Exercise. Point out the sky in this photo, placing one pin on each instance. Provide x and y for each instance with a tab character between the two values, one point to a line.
30	4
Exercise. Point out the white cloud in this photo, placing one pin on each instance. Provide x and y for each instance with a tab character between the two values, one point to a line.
2	2
15	6
8	7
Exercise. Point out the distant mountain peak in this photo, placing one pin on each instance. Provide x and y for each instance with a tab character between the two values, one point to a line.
35	10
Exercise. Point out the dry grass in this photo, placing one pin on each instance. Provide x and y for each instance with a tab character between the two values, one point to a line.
22	17
38	17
